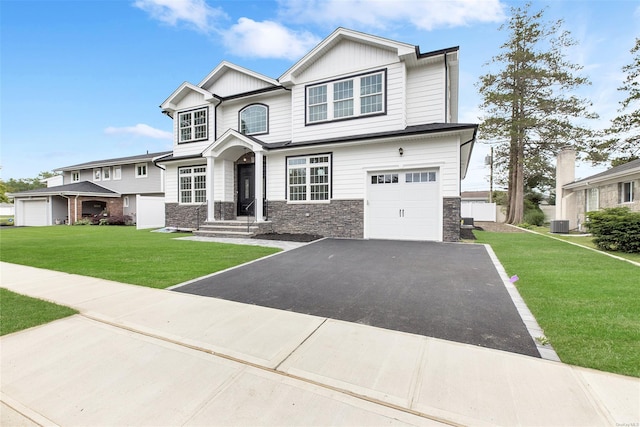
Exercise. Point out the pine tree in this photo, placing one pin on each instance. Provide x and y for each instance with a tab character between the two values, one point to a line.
529	104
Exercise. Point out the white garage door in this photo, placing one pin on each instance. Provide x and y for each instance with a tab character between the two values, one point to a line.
404	205
33	213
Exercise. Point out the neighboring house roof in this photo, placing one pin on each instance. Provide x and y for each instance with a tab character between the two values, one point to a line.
629	168
117	161
82	188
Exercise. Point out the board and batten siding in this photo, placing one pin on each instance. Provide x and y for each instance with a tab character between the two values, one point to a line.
425	94
279	104
394	119
223	176
233	82
352	163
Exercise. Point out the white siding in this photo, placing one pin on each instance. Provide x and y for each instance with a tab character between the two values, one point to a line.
394	119
224	173
233	82
351	164
425	95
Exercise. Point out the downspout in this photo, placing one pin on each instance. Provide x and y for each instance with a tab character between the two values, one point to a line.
76	203
215	116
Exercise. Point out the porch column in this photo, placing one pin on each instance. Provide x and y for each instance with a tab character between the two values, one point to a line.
210	194
259	162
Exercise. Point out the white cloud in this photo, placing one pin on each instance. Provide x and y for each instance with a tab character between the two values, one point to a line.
193	12
267	39
383	14
139	130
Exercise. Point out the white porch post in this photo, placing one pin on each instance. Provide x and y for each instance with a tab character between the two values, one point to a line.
210	194
259	159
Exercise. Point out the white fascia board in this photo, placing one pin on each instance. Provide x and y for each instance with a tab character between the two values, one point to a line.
170	103
587	182
225	65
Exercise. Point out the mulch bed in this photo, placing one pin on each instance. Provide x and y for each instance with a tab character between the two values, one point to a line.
289	237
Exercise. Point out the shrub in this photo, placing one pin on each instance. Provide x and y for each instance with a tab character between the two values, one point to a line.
116	220
83	221
615	229
534	217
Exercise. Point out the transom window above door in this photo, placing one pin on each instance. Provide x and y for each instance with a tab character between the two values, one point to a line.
352	97
254	119
192	125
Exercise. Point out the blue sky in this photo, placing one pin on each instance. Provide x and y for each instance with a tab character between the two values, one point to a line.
82	80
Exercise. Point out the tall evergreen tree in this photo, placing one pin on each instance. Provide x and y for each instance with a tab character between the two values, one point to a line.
529	103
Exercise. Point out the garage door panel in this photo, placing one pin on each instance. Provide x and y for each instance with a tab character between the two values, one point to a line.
34	213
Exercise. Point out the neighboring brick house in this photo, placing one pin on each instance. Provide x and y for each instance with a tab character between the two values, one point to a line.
616	187
111	186
360	138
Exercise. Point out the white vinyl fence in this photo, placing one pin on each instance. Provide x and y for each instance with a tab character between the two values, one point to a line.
479	211
150	212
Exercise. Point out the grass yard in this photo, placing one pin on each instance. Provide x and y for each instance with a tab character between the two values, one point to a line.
587	303
18	312
122	254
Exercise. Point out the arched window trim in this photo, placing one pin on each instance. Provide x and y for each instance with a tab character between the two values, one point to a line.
266	110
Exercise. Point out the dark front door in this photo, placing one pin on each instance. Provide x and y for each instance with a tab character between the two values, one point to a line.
246	189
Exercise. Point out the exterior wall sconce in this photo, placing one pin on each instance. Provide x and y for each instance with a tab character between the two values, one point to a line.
400	151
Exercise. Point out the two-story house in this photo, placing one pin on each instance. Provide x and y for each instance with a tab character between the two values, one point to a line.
359	139
121	187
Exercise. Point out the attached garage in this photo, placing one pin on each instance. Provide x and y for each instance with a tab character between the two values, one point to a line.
404	204
32	212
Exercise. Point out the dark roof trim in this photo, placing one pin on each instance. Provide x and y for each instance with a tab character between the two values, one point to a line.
420	55
250	93
171	158
75	189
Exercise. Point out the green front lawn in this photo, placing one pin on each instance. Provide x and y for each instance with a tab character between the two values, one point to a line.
18	312
587	303
122	254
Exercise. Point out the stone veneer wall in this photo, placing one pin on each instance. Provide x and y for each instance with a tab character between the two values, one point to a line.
224	210
451	219
184	216
338	218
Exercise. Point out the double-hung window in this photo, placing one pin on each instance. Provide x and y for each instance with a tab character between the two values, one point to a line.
351	97
117	172
592	199
193	184
106	174
141	170
192	125
626	192
254	119
309	178
75	176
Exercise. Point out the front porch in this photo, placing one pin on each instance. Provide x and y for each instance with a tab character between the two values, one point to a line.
241	227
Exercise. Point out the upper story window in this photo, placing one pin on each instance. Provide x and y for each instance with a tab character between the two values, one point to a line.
309	178
192	125
254	119
117	172
106	174
141	170
626	192
352	97
97	174
75	176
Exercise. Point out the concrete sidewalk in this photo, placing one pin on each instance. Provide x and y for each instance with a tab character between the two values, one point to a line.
141	356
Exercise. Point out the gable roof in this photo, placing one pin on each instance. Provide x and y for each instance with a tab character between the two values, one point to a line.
116	161
621	171
225	66
170	104
82	188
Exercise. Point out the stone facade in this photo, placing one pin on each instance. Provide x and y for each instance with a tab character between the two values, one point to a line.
224	211
338	218
608	197
451	219
184	216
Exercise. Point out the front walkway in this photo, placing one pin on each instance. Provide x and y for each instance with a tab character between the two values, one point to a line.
141	356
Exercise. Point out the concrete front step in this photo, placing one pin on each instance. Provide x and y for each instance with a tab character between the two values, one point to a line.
238	229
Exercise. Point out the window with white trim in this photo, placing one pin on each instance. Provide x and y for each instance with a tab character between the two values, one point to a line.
309	178
254	119
193	184
626	192
141	170
106	174
117	172
352	97
75	176
97	174
192	125
125	201
592	199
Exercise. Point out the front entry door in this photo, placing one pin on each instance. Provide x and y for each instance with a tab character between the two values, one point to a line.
246	189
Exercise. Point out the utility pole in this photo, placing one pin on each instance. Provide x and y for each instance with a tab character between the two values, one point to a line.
488	160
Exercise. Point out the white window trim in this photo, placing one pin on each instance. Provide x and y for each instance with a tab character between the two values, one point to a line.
356	97
192	174
117	173
97	174
588	207
307	166
75	176
106	174
631	191
125	202
266	124
192	125
146	170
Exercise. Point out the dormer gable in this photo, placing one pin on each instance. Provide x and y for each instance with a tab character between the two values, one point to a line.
403	51
228	79
171	104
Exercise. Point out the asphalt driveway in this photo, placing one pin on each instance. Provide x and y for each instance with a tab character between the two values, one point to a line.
442	290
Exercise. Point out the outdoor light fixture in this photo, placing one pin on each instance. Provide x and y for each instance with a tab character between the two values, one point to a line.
400	151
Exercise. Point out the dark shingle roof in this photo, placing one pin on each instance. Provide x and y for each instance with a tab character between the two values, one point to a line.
613	171
115	161
77	188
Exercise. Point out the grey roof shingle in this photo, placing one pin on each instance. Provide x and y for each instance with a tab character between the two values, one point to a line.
117	160
76	188
613	171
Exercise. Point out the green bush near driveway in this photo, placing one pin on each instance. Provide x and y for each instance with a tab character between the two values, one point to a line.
18	312
587	303
122	254
615	229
